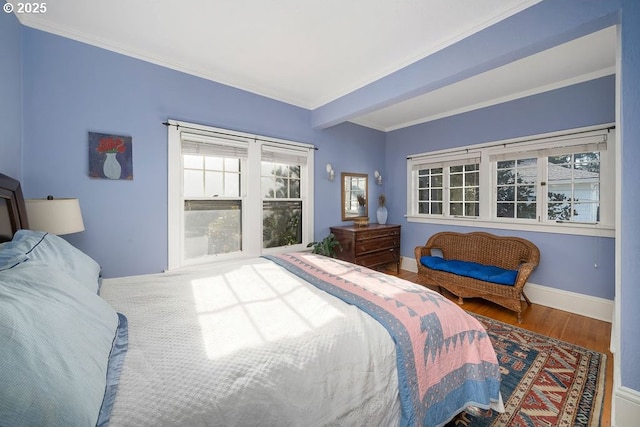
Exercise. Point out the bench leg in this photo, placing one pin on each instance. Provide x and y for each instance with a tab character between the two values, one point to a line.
460	301
526	298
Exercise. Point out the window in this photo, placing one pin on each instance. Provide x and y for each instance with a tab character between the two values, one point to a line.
573	182
464	190
546	183
212	171
282	204
516	182
550	182
232	194
447	186
430	191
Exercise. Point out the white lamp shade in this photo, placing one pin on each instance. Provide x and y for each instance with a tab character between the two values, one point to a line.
55	216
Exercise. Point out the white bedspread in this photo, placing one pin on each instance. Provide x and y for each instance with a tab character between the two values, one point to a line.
246	344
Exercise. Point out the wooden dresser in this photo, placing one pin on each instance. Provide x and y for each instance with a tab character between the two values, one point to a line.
370	246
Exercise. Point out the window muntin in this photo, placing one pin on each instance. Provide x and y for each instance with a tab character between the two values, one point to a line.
430	191
464	190
212	204
211	176
280	181
281	205
573	189
450	190
516	185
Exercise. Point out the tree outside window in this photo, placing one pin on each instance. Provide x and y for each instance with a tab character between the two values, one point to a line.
574	187
516	188
282	205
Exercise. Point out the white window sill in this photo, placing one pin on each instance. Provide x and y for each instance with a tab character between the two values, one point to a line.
598	230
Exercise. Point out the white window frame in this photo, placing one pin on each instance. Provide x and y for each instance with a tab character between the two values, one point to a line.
540	146
251	195
444	161
290	155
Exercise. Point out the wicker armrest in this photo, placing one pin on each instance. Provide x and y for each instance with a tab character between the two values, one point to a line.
524	271
421	251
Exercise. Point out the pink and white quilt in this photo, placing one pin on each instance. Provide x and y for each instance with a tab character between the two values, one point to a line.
444	356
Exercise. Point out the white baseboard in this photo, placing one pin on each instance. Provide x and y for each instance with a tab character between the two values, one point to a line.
625	409
584	305
408	264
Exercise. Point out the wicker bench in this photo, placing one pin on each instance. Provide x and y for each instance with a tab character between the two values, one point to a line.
507	253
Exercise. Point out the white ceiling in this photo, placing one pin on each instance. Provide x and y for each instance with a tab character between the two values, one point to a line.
308	53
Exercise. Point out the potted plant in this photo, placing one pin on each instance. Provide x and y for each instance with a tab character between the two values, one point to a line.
326	247
382	213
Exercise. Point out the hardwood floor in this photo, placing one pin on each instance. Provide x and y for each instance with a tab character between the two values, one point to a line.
580	330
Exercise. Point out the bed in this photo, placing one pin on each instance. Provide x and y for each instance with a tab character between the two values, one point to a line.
288	339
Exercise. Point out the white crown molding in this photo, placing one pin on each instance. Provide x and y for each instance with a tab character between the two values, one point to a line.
163	61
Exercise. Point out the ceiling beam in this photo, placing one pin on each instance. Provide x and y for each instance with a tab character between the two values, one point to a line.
540	27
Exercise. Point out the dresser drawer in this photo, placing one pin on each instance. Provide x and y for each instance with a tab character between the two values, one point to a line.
370	245
378	258
377	234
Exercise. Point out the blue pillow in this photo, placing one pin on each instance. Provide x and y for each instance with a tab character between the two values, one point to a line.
55	252
61	349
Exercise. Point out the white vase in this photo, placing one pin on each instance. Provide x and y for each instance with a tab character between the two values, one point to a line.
111	167
382	213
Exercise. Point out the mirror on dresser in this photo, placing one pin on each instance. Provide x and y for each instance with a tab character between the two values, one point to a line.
354	193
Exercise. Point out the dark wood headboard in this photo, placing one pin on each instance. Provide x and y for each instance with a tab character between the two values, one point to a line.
13	212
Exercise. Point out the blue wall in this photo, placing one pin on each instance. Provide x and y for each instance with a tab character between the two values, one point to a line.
349	148
567	261
629	297
71	88
10	96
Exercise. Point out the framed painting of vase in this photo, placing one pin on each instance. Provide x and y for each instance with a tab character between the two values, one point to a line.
110	156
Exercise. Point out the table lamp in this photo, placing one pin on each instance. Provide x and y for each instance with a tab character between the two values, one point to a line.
55	216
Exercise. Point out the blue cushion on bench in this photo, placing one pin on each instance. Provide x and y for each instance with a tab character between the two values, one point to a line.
488	273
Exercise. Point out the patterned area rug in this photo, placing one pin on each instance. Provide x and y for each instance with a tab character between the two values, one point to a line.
545	382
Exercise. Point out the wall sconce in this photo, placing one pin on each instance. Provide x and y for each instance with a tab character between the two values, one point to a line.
55	216
331	175
378	177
